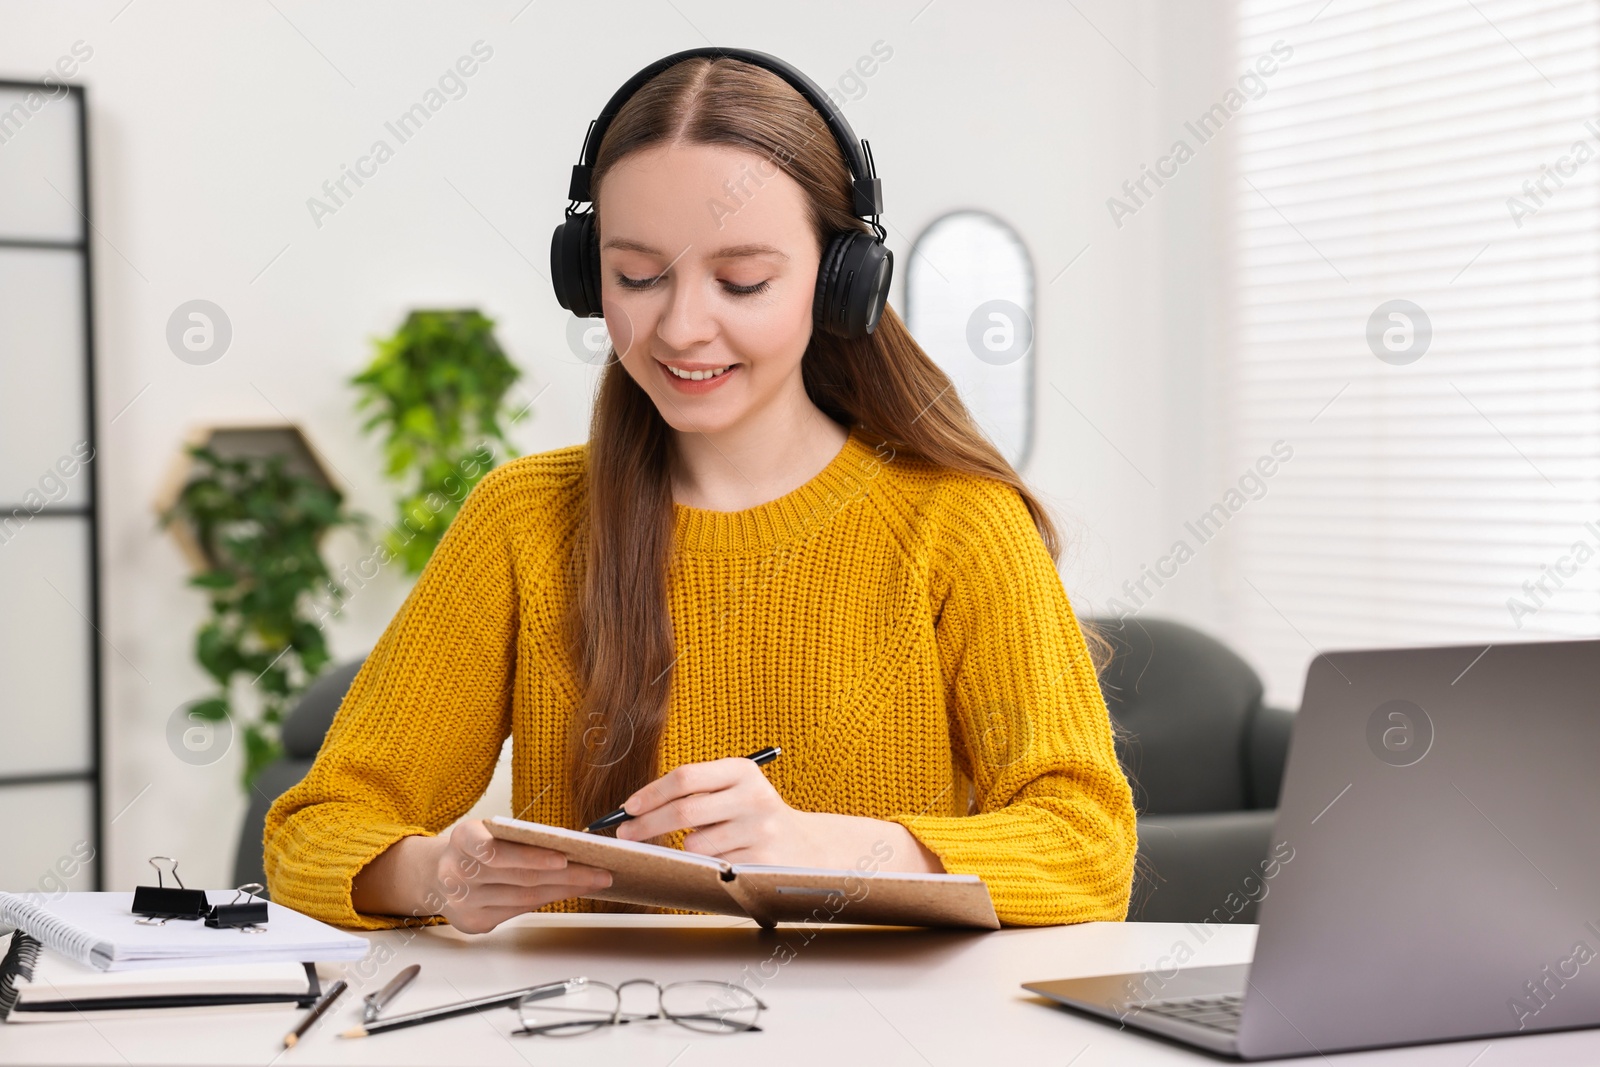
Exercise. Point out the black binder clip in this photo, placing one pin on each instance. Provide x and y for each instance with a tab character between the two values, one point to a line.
161	902
249	916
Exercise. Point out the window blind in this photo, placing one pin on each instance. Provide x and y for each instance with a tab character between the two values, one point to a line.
1444	154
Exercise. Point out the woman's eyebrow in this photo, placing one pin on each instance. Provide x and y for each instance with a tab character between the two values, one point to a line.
731	252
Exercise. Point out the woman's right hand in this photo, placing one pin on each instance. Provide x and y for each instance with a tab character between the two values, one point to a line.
474	879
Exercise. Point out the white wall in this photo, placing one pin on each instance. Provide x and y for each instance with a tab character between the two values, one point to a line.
213	123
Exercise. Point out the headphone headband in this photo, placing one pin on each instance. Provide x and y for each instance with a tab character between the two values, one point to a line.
852	284
867	188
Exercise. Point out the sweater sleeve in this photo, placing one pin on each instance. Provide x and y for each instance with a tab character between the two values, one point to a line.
1054	833
415	740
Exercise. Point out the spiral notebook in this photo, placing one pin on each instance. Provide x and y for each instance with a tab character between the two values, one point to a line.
99	930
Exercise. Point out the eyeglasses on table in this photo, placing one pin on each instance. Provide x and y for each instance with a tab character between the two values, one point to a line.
703	1006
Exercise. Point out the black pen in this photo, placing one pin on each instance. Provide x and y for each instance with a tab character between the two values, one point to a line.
450	1011
618	817
316	1012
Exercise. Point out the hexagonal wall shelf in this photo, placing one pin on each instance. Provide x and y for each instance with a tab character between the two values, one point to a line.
236	442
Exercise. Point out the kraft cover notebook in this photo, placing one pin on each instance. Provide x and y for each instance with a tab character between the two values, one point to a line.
661	877
38	984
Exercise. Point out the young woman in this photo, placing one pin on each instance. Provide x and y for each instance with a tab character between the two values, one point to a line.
774	536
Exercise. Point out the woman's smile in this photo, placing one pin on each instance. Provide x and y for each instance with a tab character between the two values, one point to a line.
698	380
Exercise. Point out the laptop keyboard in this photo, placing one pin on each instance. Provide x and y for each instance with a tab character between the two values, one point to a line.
1219	1012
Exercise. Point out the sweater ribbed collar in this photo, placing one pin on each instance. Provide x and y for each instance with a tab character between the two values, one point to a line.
788	518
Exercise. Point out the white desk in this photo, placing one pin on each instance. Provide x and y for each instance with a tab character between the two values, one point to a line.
850	996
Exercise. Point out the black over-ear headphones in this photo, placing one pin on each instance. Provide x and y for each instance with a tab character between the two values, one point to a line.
853	277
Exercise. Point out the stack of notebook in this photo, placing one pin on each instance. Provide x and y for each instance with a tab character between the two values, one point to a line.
85	953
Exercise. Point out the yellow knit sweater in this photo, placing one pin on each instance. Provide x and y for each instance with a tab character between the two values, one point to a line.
898	629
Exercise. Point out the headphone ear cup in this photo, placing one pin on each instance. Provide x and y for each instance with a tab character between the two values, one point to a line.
591	264
823	311
575	265
852	285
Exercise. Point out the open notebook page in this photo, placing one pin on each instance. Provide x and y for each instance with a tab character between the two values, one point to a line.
643	848
641	873
846	872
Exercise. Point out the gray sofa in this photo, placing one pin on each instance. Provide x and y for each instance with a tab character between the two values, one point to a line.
303	730
1205	757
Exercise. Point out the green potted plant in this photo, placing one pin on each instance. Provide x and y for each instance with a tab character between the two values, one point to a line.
436	390
255	528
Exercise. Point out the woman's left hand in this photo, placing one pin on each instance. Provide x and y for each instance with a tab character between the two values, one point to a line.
734	814
732	811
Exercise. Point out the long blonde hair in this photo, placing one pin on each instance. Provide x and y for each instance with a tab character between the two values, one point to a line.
886	384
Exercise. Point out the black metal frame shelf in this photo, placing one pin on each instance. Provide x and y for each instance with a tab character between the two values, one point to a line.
41	244
83	246
46	778
73	511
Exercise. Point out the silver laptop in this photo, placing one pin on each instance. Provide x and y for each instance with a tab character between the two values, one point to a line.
1434	872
